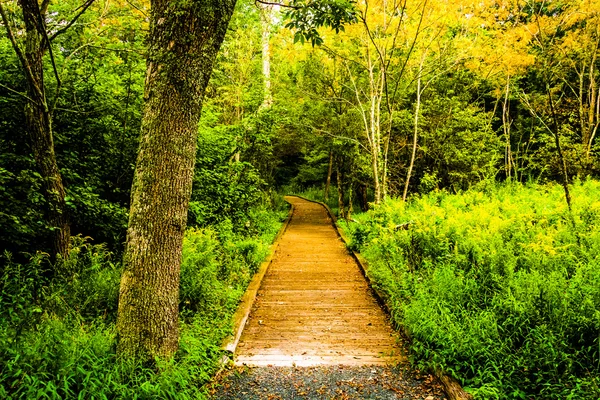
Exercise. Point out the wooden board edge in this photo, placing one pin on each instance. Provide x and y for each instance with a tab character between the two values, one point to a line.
452	387
240	317
360	260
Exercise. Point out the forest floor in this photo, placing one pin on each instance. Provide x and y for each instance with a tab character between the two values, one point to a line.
315	330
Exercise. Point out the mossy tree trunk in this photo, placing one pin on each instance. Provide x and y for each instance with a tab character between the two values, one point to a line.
185	37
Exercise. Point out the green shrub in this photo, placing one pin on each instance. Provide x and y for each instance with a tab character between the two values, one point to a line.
500	288
57	322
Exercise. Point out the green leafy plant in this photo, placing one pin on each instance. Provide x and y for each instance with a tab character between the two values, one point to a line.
498	288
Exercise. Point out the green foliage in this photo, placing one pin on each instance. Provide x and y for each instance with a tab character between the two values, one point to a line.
224	188
57	330
306	16
495	286
96	122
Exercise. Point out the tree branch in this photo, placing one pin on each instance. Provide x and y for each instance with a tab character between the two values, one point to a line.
137	8
42	30
338	136
17	92
268	3
44	6
83	8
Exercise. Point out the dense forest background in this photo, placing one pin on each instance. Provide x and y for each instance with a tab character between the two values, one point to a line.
409	101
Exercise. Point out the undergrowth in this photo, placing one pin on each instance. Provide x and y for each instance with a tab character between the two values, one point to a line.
498	286
57	322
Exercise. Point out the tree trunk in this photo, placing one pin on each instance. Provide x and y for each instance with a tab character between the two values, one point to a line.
265	14
184	40
416	131
329	171
561	157
364	202
38	122
350	205
340	188
508	158
375	168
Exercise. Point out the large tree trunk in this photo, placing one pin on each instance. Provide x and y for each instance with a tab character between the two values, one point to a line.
38	122
184	40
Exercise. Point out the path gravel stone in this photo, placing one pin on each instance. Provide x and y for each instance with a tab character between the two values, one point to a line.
326	382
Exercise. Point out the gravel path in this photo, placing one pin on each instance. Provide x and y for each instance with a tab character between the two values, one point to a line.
326	382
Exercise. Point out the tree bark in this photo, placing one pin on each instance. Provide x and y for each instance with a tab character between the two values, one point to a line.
329	172
340	188
508	157
362	195
184	40
561	157
38	123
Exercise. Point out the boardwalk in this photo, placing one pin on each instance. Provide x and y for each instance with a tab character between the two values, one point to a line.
314	306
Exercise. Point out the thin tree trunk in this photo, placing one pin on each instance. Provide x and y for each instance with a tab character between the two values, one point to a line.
596	124
508	159
376	183
386	149
184	40
350	205
340	188
38	122
265	13
329	172
563	162
415	133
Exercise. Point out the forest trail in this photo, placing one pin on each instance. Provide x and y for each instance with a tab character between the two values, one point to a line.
314	306
315	331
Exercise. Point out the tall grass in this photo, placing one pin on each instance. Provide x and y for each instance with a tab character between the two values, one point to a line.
498	285
57	330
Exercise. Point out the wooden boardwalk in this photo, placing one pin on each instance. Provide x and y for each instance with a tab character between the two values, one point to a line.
314	306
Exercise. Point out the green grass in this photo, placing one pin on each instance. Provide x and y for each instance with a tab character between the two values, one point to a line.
58	337
498	286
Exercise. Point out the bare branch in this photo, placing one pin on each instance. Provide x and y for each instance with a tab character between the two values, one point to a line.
338	136
44	6
268	3
42	31
82	9
17	92
412	47
137	8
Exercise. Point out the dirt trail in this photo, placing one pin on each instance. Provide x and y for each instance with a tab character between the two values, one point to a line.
315	331
314	307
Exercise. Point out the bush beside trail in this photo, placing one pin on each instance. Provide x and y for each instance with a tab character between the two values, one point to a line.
498	286
57	329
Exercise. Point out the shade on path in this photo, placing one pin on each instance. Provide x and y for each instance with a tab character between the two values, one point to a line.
314	306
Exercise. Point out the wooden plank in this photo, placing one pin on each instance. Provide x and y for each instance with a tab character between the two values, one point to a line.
314	306
309	361
243	311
